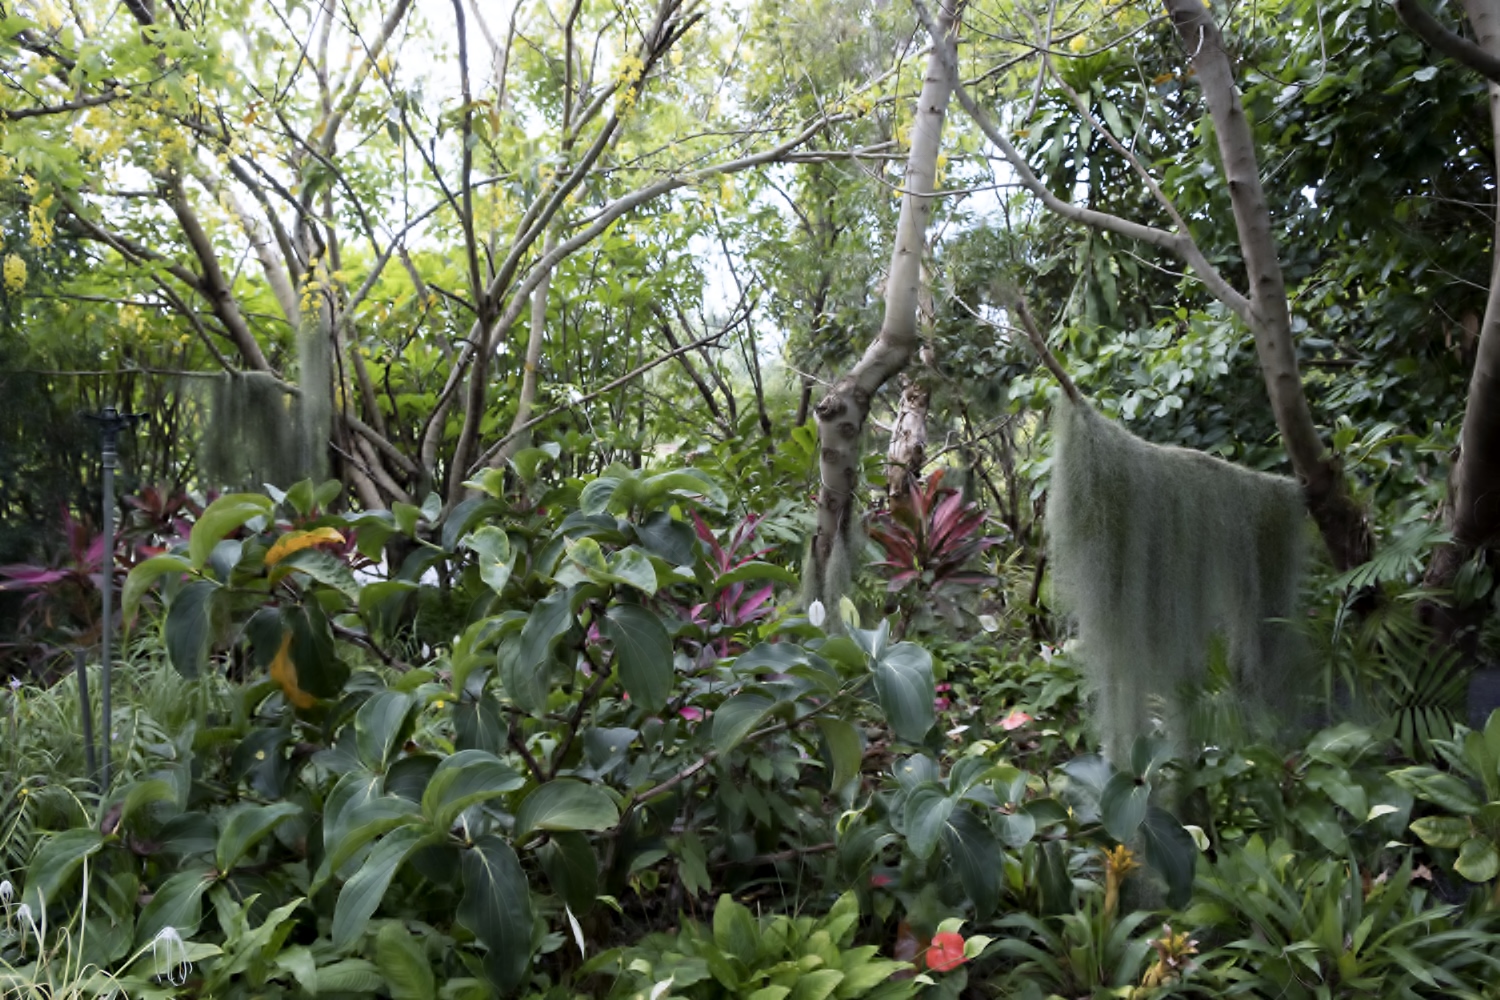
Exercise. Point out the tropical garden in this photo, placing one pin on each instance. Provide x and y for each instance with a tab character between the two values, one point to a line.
652	498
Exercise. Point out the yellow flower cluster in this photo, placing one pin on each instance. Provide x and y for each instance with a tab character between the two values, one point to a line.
15	273
40	222
628	76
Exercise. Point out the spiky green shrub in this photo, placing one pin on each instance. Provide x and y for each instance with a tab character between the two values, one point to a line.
1155	552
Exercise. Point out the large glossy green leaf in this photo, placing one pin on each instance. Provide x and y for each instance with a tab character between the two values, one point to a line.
633	568
319	670
735	930
403	963
140	579
324	567
904	685
361	895
738	717
55	864
643	652
1122	806
566	804
496	907
379	726
463	779
177	903
246	826
976	858
572	869
491	546
188	630
226	514
1171	851
1478	860
928	807
1442	831
844	750
524	672
478	724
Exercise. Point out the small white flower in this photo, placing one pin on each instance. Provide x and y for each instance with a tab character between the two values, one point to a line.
25	920
989	623
169	956
817	614
7	893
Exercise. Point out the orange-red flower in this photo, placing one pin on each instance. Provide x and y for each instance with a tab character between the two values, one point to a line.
946	952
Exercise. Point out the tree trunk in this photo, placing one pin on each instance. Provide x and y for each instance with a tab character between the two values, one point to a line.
842	411
535	335
1340	518
1473	509
908	449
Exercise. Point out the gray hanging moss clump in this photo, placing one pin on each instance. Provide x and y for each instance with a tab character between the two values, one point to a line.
1155	551
260	431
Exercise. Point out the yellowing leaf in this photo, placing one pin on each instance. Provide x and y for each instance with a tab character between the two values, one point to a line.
284	672
296	541
1163	78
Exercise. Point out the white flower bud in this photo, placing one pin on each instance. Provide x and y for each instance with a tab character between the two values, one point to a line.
817	614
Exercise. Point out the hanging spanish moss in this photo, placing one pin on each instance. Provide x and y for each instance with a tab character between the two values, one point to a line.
249	438
260	431
315	377
1158	553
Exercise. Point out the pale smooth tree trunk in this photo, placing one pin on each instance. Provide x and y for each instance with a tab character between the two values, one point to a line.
535	336
1342	521
842	411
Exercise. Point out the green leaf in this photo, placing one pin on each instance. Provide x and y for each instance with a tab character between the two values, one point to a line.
378	726
140	579
566	804
1444	790
633	568
549	620
352	975
55	863
977	858
904	685
403	963
1171	851
818	984
1122	807
1442	831
688	483
177	904
144	793
844	750
735	930
324	567
461	780
406	516
495	558
361	895
226	514
1478	860
189	627
756	570
643	652
737	717
496	907
572	870
478	725
927	810
246	826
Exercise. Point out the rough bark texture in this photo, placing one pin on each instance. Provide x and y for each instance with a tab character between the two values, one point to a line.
1342	522
908	449
842	411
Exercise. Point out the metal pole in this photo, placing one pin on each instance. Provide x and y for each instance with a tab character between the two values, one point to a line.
111	421
86	710
111	428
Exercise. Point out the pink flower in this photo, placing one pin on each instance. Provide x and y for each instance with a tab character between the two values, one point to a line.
946	952
1015	720
940	704
691	713
880	881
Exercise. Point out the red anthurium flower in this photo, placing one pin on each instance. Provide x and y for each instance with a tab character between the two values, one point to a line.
946	952
1014	720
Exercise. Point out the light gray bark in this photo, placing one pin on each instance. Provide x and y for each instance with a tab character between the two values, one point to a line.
843	409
